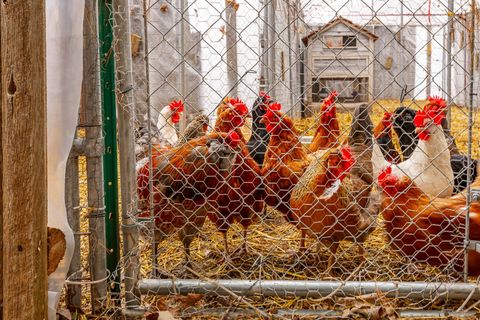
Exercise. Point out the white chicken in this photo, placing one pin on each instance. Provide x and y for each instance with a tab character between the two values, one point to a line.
166	136
168	117
429	165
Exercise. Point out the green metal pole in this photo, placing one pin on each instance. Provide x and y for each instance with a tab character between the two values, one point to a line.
107	79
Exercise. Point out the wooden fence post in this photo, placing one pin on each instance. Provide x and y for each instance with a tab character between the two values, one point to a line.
23	94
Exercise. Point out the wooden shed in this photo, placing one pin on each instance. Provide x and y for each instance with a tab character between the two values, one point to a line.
339	56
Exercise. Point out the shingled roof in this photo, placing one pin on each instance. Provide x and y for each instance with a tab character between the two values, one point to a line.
334	22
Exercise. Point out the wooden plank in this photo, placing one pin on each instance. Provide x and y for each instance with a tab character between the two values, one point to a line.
23	86
231	8
1	186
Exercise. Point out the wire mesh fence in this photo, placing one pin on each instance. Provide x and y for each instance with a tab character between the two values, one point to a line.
286	159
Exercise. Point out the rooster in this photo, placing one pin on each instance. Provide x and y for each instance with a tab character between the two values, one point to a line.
383	134
185	180
405	129
426	229
242	198
258	142
429	164
328	129
231	114
333	200
285	162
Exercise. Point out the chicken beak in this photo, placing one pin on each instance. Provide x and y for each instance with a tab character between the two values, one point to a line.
262	120
419	130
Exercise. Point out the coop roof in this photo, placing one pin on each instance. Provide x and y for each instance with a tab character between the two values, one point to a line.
334	22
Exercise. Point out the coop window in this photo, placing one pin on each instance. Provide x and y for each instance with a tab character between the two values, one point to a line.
349	41
319	92
352	90
333	42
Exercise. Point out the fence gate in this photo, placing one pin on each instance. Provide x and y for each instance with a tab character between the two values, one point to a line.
290	159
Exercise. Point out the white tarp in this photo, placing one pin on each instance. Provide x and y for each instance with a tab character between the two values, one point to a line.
64	20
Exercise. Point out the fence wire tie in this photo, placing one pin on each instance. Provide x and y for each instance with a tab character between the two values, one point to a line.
100	212
85	282
127	89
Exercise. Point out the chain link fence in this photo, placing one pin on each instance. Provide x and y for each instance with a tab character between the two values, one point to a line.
277	159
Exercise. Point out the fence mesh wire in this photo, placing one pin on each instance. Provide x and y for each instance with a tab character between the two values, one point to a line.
332	141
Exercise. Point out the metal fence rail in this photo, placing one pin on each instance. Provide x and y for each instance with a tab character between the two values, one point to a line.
204	218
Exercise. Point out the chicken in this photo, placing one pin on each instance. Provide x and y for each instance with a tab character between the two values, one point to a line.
405	129
460	164
231	114
185	180
165	133
242	198
383	134
285	162
196	128
258	142
333	199
429	164
328	129
426	229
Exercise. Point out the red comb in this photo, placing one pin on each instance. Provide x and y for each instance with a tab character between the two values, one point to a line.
275	106
233	139
388	182
437	101
347	158
273	118
330	99
386	172
387	119
264	95
435	110
177	106
175	117
239	106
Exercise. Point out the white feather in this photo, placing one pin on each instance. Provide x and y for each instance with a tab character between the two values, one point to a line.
168	133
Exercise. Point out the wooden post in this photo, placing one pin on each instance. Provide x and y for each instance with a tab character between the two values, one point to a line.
1	183
429	60
94	139
23	87
126	140
231	34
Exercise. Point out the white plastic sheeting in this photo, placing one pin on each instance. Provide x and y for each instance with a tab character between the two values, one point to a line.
64	20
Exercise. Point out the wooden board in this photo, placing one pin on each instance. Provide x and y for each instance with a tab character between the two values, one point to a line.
23	85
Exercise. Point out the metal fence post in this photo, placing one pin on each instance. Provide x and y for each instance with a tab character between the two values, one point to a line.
470	135
126	138
451	15
107	83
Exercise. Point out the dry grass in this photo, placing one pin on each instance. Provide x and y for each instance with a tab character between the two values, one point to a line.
272	242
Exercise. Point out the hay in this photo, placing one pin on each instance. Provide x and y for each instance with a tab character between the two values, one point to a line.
272	242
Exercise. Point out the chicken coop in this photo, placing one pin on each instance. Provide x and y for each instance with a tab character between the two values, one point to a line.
255	159
339	55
